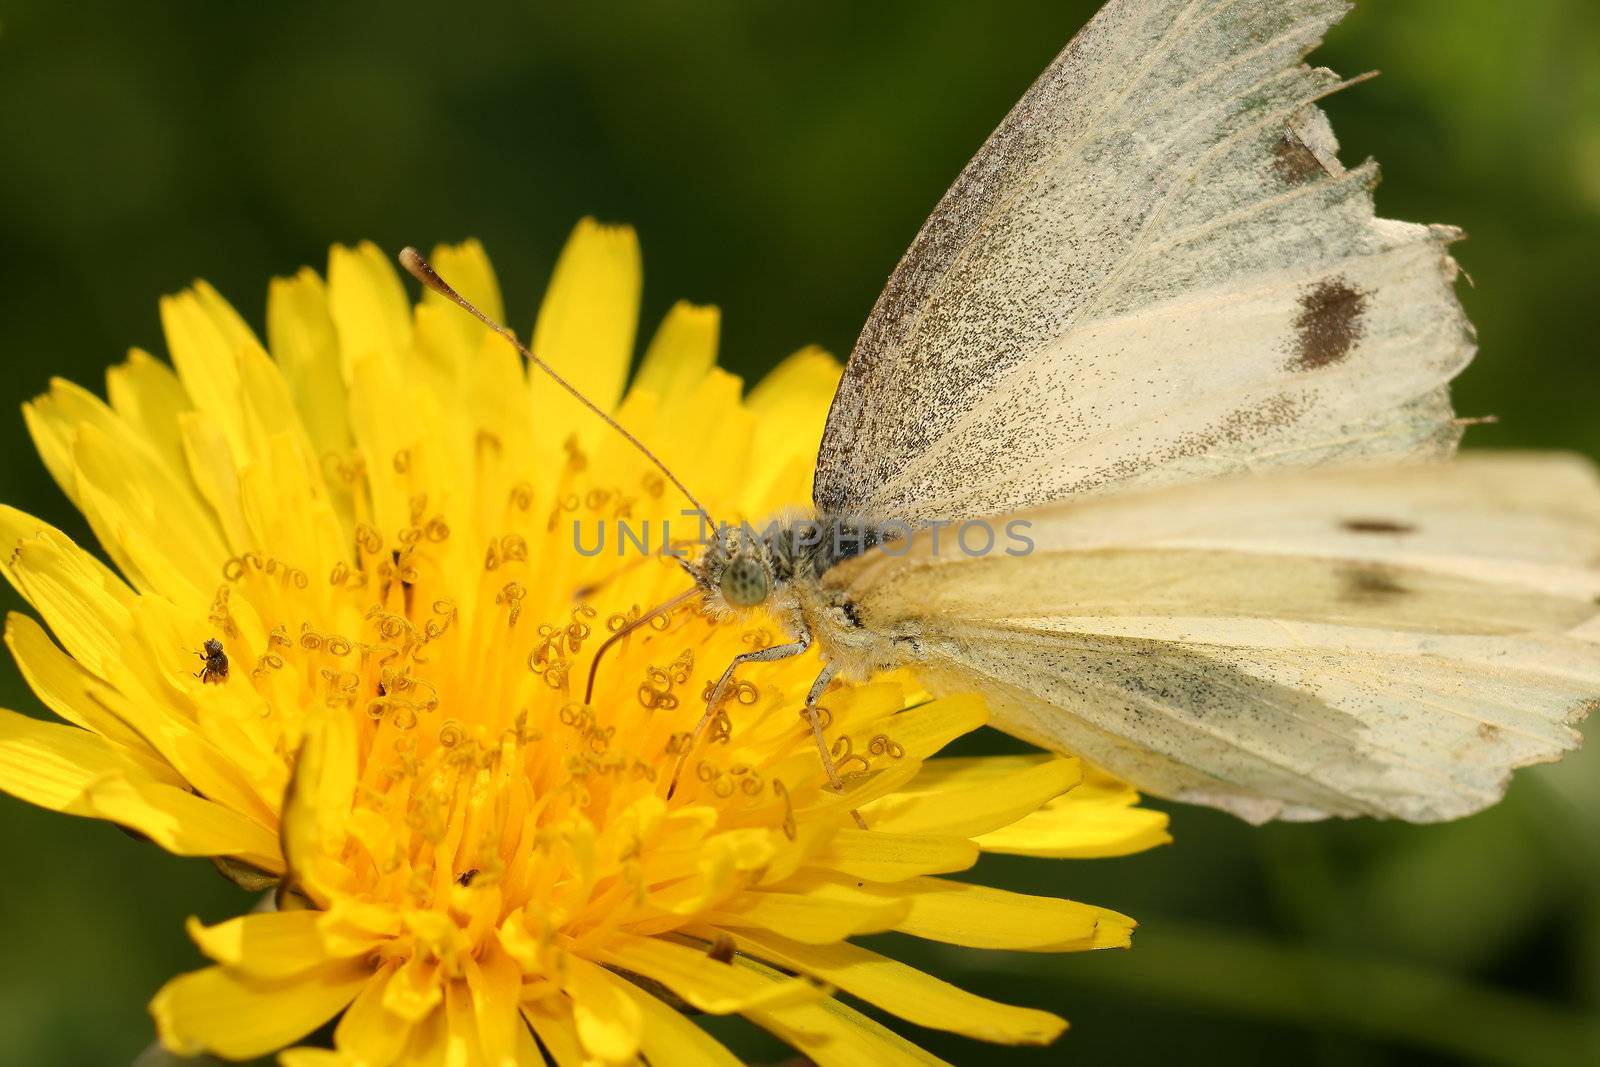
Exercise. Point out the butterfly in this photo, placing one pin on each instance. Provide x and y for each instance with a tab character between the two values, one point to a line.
1157	325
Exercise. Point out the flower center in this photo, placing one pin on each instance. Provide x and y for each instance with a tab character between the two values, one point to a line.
509	769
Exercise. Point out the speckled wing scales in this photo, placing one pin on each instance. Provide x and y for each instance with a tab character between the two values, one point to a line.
1155	271
1369	641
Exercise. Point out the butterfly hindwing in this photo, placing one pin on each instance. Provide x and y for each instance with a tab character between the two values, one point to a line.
1333	642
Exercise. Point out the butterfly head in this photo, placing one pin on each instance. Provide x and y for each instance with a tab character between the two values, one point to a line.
745	582
736	573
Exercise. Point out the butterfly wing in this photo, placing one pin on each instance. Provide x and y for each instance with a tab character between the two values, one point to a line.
1155	270
1370	641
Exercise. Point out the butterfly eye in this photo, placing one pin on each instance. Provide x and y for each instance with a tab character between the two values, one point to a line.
744	582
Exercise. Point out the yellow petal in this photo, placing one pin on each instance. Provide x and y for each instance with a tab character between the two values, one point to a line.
1080	830
905	991
147	394
271	944
669	1038
814	920
697	978
368	1032
803	383
832	1035
84	604
53	425
968	812
556	1033
380	387
302	339
607	1018
791	406
460	1044
924	730
348	927
182	823
414	990
71	426
879	857
216	475
979	916
317	1057
527	1047
467	268
496	985
215	1010
317	804
80	698
163	539
860	789
721	862
432	1042
705	421
88	609
946	773
52	765
495	389
227	322
204	338
367	304
682	352
586	328
123	791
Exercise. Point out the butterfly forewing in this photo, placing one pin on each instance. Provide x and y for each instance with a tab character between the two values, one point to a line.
1154	271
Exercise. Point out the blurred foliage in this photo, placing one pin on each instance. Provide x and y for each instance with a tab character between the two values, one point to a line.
777	158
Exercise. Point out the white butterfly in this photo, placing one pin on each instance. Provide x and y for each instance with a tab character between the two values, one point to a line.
1157	320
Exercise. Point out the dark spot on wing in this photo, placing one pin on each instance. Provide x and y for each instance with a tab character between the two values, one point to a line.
1329	323
1293	162
1488	731
1377	526
1371	583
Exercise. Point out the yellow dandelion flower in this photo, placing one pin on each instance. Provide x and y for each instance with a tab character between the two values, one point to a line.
354	652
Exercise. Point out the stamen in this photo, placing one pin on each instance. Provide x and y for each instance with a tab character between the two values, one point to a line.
884	745
811	714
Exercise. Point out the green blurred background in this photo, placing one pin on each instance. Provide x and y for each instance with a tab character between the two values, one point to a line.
777	158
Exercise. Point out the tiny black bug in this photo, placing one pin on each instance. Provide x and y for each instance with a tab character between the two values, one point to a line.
216	663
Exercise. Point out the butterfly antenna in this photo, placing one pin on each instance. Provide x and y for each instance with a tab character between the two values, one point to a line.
663	609
423	271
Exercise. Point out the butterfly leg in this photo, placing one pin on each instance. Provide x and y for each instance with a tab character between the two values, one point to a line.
720	690
811	716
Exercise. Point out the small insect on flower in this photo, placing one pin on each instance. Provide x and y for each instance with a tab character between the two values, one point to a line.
215	671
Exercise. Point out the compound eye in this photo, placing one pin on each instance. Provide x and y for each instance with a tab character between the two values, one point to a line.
744	582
